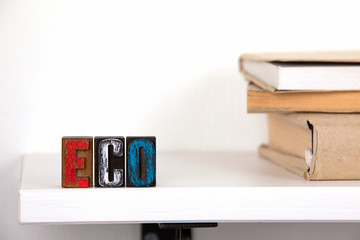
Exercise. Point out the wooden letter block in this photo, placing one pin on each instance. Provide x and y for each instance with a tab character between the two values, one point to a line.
109	162
141	161
77	162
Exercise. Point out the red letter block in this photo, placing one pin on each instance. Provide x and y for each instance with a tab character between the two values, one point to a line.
77	162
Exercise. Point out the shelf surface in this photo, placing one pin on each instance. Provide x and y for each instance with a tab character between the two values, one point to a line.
191	187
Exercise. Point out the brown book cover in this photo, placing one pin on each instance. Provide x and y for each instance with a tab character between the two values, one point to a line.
261	101
317	146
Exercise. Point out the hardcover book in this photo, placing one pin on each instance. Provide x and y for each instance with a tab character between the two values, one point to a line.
303	71
261	101
316	146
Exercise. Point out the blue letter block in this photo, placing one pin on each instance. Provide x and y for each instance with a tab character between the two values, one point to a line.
141	161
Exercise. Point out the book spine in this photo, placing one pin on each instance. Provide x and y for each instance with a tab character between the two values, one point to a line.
336	152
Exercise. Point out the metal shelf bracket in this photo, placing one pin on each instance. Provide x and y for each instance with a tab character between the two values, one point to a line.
171	231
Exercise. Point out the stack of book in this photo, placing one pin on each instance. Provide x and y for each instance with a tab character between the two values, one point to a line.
312	101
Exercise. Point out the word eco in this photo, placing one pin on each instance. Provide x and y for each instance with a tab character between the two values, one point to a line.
110	170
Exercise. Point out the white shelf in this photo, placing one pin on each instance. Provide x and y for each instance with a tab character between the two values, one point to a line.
191	187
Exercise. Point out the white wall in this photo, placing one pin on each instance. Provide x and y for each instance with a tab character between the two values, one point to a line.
141	68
